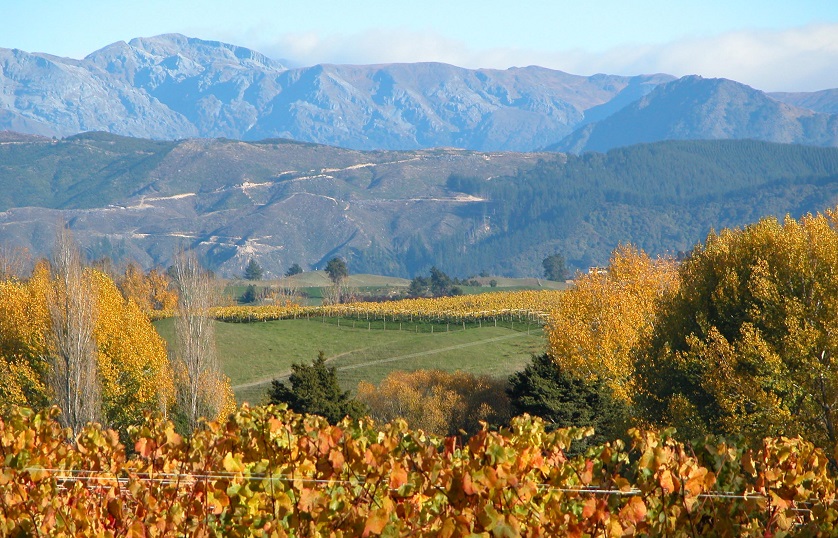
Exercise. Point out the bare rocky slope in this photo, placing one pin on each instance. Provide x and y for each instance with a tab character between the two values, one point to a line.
173	87
695	108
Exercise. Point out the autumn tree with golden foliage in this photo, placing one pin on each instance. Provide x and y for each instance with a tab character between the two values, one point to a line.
131	357
598	326
133	361
748	343
437	401
152	290
24	323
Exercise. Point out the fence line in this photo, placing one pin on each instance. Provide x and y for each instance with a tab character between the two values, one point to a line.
187	479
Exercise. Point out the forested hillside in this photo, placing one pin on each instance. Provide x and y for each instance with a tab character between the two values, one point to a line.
664	197
396	212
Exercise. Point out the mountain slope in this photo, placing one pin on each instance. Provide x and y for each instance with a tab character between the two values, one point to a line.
663	197
281	201
174	87
393	212
825	101
694	108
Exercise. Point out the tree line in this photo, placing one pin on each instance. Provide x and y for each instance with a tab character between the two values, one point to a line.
739	338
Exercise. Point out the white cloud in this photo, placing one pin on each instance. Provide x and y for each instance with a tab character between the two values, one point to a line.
371	47
797	59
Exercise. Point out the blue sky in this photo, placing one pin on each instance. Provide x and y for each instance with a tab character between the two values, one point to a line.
771	45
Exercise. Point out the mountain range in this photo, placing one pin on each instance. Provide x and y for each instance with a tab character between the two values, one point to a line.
156	144
172	87
694	108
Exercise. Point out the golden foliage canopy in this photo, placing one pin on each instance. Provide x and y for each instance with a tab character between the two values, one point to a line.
152	291
132	357
748	343
597	327
436	401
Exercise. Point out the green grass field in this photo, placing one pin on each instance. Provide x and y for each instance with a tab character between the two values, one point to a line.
254	353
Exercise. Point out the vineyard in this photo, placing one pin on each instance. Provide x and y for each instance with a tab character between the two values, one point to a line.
531	306
270	472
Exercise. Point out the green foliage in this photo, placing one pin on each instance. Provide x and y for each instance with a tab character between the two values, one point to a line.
554	267
337	270
315	390
249	295
436	284
253	271
419	287
440	282
82	171
544	390
295	269
661	197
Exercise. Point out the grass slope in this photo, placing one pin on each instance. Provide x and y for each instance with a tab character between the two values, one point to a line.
254	353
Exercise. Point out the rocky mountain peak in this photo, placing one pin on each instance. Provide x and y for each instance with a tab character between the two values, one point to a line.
695	107
173	86
203	52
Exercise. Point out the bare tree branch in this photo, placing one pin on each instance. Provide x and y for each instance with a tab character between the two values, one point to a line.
198	376
73	310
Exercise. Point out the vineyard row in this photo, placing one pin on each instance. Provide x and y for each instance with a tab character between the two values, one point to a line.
271	472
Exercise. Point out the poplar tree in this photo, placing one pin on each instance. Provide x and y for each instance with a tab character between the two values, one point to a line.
73	312
201	388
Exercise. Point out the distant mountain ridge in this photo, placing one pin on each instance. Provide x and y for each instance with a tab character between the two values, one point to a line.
174	87
695	108
825	101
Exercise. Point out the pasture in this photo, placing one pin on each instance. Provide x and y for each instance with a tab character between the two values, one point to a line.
252	354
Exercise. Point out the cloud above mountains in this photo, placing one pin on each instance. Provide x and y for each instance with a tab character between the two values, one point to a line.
798	59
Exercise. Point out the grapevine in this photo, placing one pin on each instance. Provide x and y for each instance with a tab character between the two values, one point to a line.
269	472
